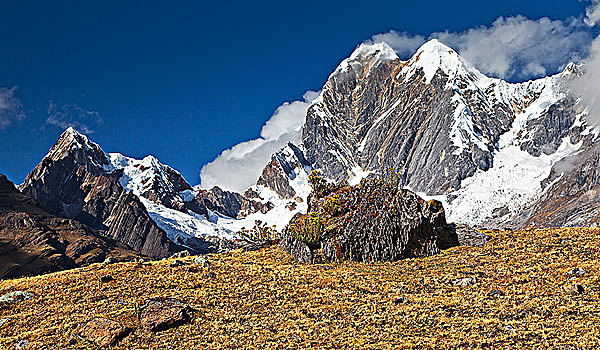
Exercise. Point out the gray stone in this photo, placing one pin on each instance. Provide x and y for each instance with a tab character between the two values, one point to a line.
181	254
373	221
106	278
495	293
399	300
21	344
464	282
14	297
3	321
103	332
177	263
576	272
202	261
159	314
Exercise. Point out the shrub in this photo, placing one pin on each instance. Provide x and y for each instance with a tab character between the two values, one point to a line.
308	228
260	233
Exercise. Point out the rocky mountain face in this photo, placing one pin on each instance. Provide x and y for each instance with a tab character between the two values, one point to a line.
496	154
75	180
486	148
34	242
143	203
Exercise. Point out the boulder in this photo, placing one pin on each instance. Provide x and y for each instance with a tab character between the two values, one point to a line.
103	332
373	221
159	314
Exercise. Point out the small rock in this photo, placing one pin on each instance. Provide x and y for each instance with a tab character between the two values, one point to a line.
201	261
159	314
3	321
181	254
110	260
106	278
509	327
21	344
177	263
576	289
496	293
15	296
577	272
463	282
399	300
104	332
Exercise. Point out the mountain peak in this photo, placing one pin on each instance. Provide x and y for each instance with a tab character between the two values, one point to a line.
434	45
73	142
434	55
367	55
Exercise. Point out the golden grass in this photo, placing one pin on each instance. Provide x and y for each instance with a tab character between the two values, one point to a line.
265	300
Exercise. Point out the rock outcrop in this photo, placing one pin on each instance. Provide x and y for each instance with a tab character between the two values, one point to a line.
34	242
373	221
282	169
228	203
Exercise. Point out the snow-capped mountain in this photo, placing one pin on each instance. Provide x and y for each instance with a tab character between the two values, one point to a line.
142	202
495	153
483	146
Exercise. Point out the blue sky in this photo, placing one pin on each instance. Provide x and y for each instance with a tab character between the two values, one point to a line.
185	81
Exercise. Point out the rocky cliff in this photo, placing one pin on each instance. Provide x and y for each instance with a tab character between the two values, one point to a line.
75	180
484	147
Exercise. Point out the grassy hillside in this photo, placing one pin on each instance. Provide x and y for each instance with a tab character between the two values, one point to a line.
265	300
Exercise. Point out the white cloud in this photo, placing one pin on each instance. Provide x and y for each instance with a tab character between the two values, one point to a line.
514	48
592	13
239	167
11	109
587	85
72	115
403	43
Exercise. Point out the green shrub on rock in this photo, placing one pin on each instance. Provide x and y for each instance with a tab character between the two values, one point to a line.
373	221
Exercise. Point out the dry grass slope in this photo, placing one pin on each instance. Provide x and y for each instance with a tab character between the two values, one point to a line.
265	300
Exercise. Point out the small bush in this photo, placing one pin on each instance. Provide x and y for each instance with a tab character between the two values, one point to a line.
308	228
260	233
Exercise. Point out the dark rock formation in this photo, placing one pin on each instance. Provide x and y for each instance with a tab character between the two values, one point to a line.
282	169
74	181
231	204
373	221
34	242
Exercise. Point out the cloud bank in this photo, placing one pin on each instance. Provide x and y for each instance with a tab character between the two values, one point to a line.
72	115
592	13
11	108
514	48
239	167
587	85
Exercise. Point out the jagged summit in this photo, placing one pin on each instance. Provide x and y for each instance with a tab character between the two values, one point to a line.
365	56
434	55
71	141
